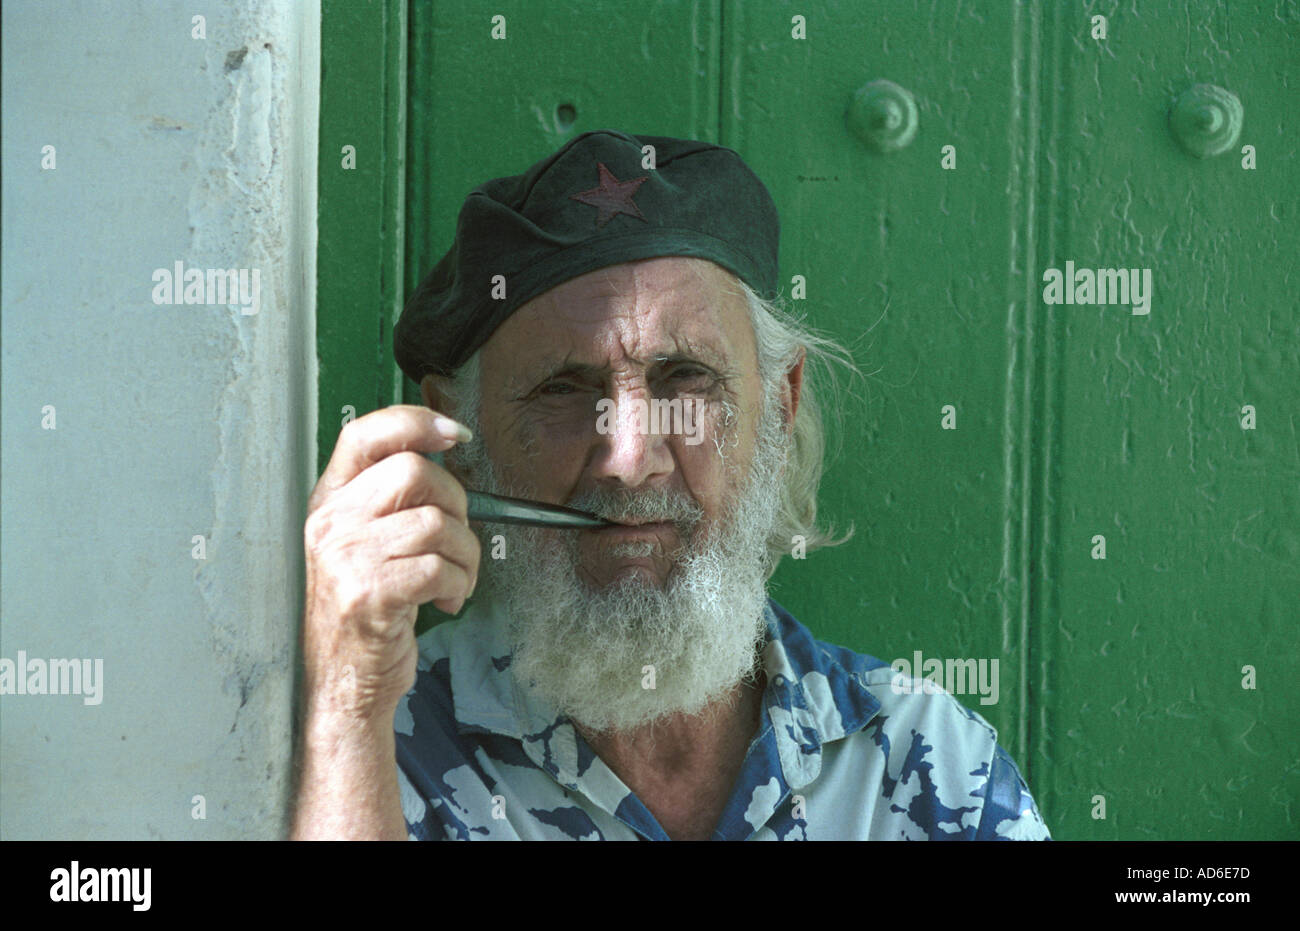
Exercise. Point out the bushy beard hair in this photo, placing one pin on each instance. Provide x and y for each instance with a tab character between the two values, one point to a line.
586	651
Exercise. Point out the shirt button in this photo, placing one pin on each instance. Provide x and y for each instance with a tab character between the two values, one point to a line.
778	680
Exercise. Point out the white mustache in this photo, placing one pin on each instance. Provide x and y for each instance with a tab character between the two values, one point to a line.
648	505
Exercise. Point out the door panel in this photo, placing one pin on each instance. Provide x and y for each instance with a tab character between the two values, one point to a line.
995	438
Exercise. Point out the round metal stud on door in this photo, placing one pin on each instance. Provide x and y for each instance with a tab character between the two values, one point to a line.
883	115
1206	120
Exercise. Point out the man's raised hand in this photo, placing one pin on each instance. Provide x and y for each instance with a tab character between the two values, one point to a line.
386	531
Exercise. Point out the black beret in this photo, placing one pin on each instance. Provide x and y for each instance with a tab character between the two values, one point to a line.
587	206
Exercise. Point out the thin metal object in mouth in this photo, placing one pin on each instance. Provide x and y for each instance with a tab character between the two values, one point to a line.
502	510
498	509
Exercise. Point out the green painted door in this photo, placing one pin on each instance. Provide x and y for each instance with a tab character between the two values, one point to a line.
1104	502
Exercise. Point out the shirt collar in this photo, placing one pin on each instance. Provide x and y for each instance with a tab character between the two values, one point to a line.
815	694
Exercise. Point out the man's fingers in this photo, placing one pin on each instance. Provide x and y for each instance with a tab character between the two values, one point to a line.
403	480
416	531
427	577
379	434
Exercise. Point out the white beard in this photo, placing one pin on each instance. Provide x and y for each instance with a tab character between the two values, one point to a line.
585	651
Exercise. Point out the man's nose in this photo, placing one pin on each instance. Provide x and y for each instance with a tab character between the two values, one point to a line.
631	450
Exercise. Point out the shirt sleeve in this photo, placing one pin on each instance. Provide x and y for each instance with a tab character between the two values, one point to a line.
1010	812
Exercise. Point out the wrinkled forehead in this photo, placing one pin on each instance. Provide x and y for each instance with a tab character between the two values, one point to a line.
627	316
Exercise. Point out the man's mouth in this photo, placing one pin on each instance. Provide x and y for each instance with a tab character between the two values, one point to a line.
632	531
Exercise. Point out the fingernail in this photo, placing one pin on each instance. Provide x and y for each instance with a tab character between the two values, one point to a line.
453	430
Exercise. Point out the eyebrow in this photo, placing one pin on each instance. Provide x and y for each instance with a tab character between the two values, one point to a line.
554	368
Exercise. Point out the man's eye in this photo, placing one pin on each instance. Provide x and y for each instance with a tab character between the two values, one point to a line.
556	387
691	376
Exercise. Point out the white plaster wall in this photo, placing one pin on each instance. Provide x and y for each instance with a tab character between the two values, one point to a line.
171	420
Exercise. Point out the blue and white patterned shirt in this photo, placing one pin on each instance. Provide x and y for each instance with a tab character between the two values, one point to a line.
839	754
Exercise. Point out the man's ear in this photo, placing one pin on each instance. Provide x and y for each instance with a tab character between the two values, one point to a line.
791	389
434	390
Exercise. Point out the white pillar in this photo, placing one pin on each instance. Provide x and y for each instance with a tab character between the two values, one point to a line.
171	421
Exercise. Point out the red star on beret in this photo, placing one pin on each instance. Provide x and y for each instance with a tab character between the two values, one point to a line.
612	196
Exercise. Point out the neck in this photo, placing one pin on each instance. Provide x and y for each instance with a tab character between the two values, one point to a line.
681	755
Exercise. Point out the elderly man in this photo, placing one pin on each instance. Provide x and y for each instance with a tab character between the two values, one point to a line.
633	680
